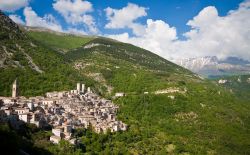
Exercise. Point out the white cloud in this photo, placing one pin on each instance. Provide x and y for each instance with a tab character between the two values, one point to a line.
48	21
17	19
220	36
76	12
126	17
12	5
210	34
158	37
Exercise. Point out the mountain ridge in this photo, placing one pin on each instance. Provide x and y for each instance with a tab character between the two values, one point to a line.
211	66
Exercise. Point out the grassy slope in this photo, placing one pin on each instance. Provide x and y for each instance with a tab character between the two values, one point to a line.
219	123
63	42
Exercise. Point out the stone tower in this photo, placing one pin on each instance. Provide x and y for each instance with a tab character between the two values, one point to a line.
15	89
88	90
83	88
78	87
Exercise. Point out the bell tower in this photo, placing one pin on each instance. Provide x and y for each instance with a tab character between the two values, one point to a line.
15	89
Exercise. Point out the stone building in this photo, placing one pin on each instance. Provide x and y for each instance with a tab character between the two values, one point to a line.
15	89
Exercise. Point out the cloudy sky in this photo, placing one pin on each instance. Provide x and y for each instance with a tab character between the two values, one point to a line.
172	29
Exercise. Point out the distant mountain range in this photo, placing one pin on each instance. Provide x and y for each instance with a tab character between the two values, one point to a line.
211	66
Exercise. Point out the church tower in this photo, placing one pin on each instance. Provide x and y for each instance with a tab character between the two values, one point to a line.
15	89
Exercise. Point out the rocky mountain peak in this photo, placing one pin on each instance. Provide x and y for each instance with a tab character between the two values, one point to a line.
212	66
9	29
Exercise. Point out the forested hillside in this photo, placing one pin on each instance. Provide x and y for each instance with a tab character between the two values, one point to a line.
238	85
38	67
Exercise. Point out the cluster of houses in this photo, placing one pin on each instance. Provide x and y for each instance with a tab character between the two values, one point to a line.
63	111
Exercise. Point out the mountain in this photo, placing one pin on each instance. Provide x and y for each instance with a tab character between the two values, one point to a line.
169	109
60	42
197	64
39	67
211	66
9	31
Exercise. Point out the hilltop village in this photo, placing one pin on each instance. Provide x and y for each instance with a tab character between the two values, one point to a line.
63	111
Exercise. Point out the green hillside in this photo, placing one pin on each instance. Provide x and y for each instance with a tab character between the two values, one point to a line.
38	67
238	85
127	68
200	117
62	42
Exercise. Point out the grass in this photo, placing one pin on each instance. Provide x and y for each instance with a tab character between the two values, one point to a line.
62	42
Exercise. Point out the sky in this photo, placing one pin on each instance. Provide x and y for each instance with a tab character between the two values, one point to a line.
173	29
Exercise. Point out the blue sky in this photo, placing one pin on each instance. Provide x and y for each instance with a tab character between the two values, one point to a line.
170	28
175	12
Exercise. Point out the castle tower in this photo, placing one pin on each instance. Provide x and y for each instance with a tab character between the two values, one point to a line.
15	89
88	90
78	87
83	88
